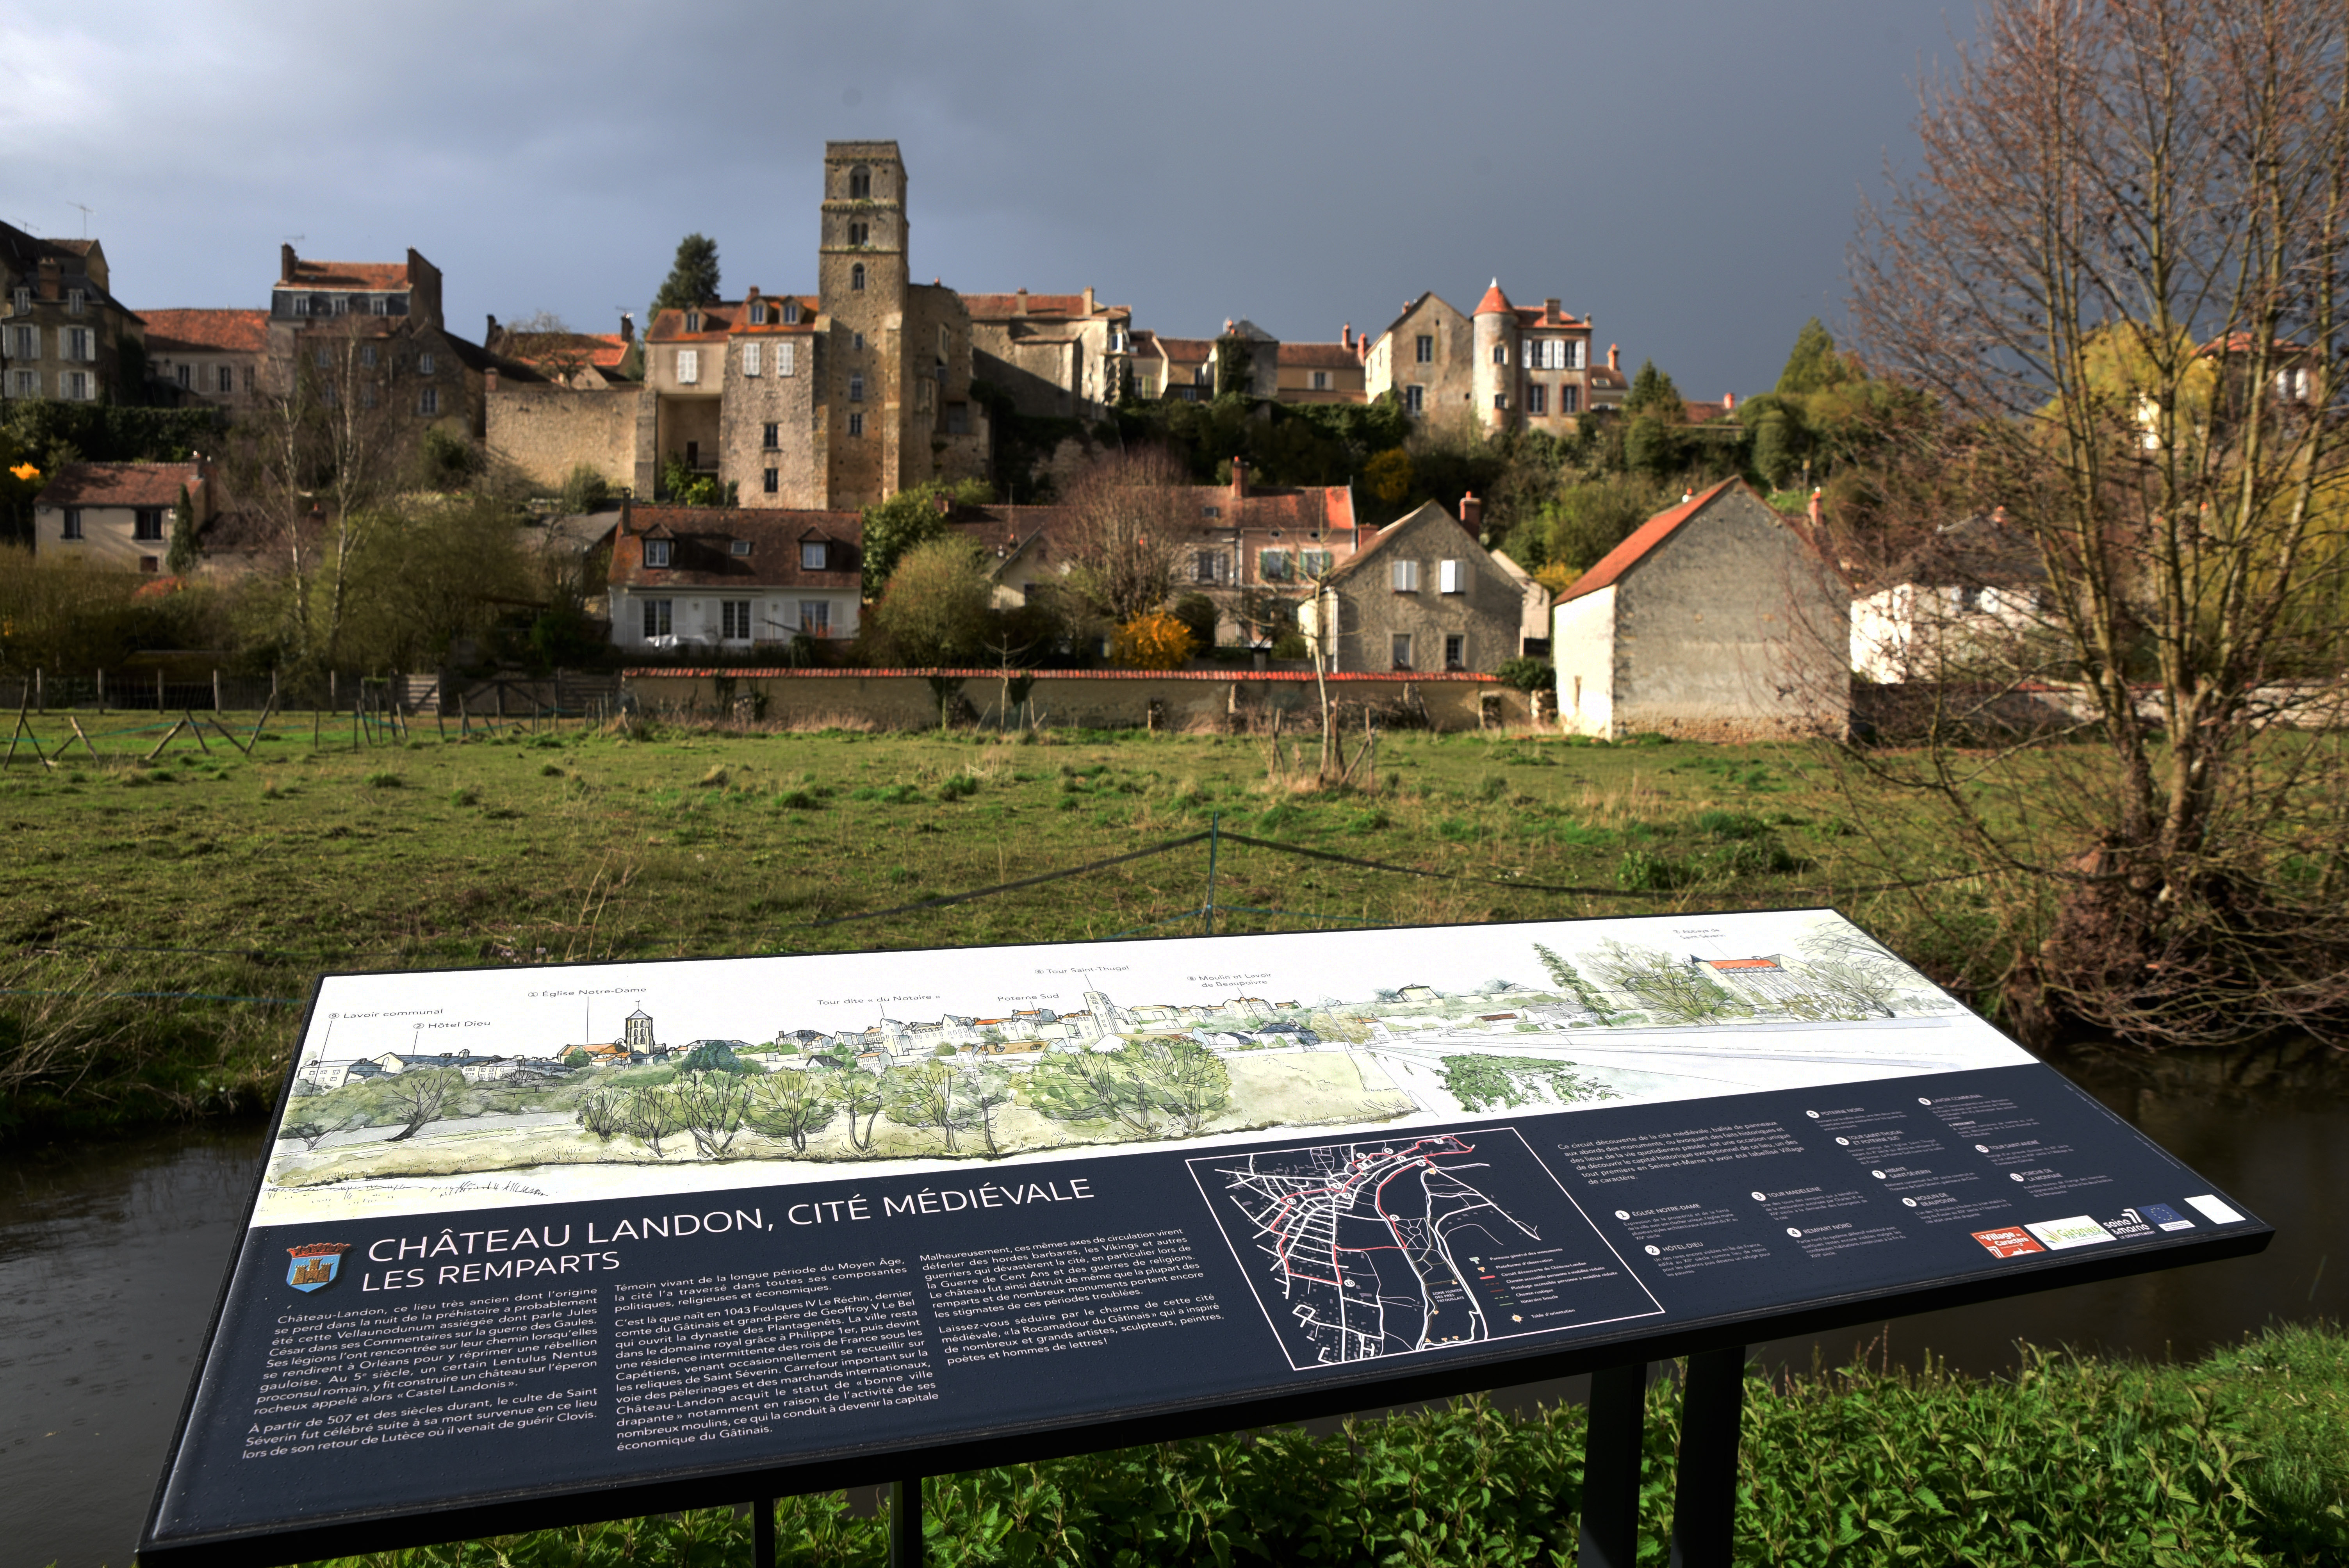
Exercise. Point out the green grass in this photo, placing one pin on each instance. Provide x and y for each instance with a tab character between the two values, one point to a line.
2239	1459
574	845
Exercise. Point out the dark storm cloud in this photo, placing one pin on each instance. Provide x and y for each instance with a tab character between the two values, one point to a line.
1687	173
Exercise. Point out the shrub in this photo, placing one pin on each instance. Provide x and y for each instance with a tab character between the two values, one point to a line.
1156	641
1641	872
960	787
381	780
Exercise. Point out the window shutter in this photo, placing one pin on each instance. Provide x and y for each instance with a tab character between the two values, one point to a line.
784	358
1452	576
689	366
750	357
1405	576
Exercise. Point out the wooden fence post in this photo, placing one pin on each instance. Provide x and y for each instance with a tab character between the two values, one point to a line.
216	701
101	694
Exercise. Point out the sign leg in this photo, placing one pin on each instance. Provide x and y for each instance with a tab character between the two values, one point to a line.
905	1523
763	1533
1705	1504
1610	1468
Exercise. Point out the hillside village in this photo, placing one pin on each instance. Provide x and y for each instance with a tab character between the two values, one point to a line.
706	485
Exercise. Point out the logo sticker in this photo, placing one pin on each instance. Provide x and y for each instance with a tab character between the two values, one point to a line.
314	1265
2008	1242
2216	1212
2163	1216
2129	1222
2079	1230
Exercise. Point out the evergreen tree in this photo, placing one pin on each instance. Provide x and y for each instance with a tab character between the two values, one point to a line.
692	277
180	559
1653	392
1814	365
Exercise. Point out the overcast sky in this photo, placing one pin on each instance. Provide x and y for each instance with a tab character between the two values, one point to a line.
1687	173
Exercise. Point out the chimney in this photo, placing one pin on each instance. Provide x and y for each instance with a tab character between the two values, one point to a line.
1472	511
1729	402
1549	310
1020	302
1089	299
627	326
50	277
1346	336
286	260
1239	485
1614	358
490	333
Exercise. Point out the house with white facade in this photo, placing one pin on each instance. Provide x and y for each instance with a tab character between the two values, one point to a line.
1961	603
712	578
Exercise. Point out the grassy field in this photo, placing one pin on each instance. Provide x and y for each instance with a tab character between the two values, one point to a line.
237	878
2237	1460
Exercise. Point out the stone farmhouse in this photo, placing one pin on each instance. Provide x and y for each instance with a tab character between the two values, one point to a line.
733	578
1715	620
1422	596
209	356
118	514
63	333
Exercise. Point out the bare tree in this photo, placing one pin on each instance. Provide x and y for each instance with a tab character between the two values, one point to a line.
860	1093
792	1103
424	1094
649	1116
711	1106
2118	269
983	1091
1128	514
545	341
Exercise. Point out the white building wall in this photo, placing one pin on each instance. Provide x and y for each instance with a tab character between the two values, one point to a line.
1582	648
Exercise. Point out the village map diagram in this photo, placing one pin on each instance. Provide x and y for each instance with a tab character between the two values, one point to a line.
1363	1250
509	1087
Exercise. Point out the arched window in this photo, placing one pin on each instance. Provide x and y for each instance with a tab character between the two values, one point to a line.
856	276
860	183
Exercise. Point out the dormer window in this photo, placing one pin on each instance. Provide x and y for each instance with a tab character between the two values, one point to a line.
758	313
860	184
811	554
737	547
24	302
693	321
378	305
790	313
342	304
655	552
76	299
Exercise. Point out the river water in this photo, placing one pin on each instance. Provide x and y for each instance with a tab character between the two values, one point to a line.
111	1254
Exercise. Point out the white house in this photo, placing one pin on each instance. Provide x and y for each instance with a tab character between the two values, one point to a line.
1961	602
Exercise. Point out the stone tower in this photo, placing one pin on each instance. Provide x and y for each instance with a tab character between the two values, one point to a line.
1494	375
862	284
638	1031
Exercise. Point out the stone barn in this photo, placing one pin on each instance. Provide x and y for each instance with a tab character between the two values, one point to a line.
1716	620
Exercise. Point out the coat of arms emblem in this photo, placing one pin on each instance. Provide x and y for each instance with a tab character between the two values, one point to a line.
314	1265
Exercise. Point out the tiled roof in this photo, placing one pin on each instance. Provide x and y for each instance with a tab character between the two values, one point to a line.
77	247
1320	355
717	320
1607	376
990	306
1186	348
219	331
1395	530
1738	964
119	484
701	548
1645	538
1533	315
740	315
309	274
1325	507
1494	300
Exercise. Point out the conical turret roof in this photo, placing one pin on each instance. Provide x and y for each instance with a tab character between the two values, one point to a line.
1493	300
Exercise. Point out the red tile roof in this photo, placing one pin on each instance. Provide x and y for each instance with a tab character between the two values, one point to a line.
119	484
1740	963
1538	316
808	305
1493	300
219	331
701	550
1645	538
1186	348
1320	355
309	274
992	306
717	320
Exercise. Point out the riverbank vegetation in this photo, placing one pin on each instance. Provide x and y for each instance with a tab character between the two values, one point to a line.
2235	1460
163	922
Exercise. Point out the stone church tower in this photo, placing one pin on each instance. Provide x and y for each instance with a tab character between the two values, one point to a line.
860	281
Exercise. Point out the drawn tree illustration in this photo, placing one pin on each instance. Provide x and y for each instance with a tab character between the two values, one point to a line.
313	1129
603	1112
1093	1085
1569	979
710	1106
792	1104
650	1114
1846	967
422	1095
1482	1083
985	1090
1674	991
864	1094
1183	1077
928	1096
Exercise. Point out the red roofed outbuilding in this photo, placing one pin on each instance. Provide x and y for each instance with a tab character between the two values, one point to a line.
1716	620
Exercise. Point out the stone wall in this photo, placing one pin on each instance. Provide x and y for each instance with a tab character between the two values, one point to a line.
1212	700
547	431
785	400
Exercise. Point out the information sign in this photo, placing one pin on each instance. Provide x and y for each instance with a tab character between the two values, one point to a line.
548	1244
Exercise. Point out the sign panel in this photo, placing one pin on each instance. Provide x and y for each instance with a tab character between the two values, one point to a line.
557	1242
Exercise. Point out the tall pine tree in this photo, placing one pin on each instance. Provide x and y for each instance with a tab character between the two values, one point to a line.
693	278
